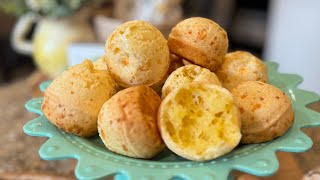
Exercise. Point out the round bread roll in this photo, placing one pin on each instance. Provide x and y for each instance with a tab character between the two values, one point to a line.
199	121
266	112
175	63
137	54
200	41
238	67
128	123
186	75
73	100
100	64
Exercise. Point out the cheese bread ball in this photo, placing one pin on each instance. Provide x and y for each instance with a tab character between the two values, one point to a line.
100	64
266	112
238	67
199	121
186	75
73	100
137	54
200	41
128	123
175	63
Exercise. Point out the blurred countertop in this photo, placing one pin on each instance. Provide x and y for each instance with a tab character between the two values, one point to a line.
19	157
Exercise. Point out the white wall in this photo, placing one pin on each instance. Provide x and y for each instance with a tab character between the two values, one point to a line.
293	39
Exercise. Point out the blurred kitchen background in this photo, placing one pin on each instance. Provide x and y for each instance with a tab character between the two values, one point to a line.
285	31
244	20
40	38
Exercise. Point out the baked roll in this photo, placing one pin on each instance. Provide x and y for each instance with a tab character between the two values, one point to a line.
240	66
199	41
186	75
199	121
73	100
128	123
137	54
266	112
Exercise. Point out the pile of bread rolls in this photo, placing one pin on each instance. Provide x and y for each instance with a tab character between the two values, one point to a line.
185	93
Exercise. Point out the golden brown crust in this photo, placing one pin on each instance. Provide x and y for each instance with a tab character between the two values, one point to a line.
189	52
70	119
137	54
240	66
186	75
128	123
175	63
266	112
72	101
200	41
101	64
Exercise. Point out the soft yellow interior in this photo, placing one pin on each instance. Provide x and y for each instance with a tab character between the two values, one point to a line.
197	120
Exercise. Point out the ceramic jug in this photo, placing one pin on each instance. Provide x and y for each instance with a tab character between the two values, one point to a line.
50	40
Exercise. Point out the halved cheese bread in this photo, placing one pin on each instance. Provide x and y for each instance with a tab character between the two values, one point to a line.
199	121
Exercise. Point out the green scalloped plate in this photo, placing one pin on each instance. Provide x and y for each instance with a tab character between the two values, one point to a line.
95	161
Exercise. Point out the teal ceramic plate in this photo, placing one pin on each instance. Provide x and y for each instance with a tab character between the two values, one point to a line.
95	161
